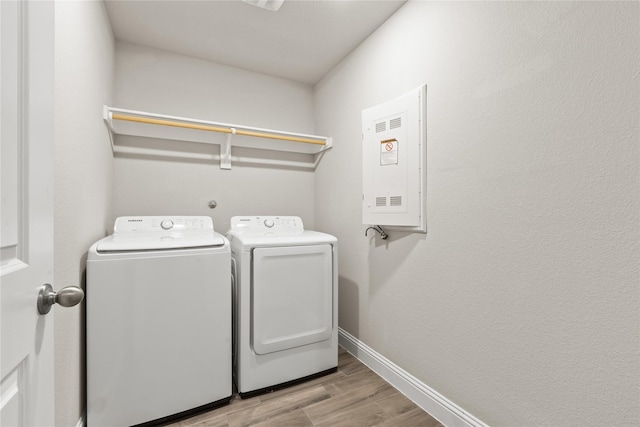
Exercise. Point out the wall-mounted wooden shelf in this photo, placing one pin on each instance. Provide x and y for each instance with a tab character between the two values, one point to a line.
139	123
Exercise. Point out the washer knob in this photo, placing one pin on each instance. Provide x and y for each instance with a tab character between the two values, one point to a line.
268	223
166	224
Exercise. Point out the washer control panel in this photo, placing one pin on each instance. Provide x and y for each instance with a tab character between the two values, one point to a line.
134	224
268	224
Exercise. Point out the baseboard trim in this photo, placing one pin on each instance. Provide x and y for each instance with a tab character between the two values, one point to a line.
441	408
83	420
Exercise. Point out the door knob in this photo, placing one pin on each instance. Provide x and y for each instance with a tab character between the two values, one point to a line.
66	297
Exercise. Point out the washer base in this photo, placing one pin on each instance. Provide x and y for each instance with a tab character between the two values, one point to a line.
187	414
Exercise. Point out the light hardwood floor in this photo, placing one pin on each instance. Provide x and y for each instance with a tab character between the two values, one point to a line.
352	396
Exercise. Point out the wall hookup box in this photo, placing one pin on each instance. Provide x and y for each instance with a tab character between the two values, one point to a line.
394	155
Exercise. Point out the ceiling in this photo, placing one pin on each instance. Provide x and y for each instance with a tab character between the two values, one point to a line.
303	41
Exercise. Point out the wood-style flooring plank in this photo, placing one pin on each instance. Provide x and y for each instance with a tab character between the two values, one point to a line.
349	393
366	414
276	408
352	396
396	404
348	364
295	418
414	418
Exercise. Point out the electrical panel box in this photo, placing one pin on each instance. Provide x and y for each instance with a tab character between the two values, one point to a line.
394	162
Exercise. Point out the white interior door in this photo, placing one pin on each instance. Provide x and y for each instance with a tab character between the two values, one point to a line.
26	233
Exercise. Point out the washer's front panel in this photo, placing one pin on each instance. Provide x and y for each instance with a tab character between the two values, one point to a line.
158	336
291	297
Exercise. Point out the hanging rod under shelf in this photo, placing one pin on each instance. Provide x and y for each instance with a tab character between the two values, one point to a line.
228	130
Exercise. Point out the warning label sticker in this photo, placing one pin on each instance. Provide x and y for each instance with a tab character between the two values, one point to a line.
389	152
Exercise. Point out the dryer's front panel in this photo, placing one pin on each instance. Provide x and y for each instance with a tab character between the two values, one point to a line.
291	296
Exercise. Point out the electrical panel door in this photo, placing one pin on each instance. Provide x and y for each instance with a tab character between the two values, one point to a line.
394	162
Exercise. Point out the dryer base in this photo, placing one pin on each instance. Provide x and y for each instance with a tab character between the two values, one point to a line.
280	386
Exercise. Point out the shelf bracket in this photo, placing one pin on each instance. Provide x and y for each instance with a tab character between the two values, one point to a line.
225	151
106	116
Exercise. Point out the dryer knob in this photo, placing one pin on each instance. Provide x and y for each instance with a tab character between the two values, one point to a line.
268	223
166	224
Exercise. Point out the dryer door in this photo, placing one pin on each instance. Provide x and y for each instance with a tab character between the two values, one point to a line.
292	293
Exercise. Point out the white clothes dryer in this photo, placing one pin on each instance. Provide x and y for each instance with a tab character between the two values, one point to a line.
158	321
286	302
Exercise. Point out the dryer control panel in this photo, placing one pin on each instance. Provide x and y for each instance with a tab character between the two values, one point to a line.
268	224
133	224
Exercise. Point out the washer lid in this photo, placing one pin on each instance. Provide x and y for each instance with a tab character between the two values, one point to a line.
158	241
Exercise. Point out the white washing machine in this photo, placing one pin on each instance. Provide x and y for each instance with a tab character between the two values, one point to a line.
286	300
158	321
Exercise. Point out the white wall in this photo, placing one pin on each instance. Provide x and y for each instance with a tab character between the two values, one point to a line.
83	178
521	304
184	176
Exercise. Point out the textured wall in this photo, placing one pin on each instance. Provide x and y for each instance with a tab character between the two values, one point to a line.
522	303
180	177
83	177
